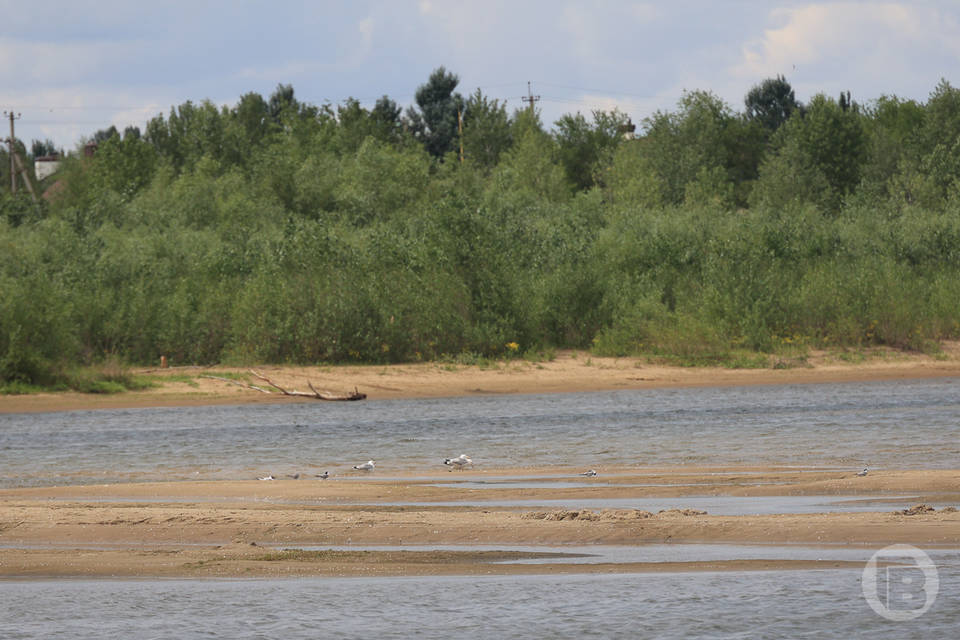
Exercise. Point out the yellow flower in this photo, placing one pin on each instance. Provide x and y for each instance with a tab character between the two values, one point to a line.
513	346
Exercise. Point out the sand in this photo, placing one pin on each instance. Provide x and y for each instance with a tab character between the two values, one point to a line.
569	371
230	529
221	528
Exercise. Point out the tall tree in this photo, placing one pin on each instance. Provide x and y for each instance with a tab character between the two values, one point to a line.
703	143
436	122
587	147
281	101
816	158
43	148
771	103
486	130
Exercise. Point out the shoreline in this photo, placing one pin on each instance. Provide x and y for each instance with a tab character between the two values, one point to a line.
568	372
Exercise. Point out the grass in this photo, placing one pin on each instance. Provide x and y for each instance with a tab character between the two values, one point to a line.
177	377
108	377
17	388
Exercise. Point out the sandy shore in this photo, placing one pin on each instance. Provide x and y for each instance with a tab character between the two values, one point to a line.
241	528
568	372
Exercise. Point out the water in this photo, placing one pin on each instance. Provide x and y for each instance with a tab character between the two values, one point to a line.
913	424
815	604
903	424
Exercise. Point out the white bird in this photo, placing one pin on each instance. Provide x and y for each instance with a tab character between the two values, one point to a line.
366	466
590	474
458	463
324	475
266	478
862	473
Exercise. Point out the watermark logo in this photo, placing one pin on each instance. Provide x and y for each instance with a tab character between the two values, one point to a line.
900	582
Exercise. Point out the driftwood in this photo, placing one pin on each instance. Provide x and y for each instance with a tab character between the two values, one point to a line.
317	395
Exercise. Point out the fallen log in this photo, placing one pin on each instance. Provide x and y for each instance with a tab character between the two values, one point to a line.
314	393
319	395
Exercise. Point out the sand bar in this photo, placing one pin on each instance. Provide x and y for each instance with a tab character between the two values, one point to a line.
225	528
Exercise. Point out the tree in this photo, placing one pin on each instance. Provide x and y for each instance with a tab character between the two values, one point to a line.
771	103
39	149
386	118
282	101
686	146
816	158
103	135
252	113
437	121
892	126
586	148
486	130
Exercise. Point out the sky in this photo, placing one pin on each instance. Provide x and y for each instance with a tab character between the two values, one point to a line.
71	67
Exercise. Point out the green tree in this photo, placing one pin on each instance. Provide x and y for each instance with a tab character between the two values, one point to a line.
436	122
586	148
892	128
817	157
687	146
486	130
38	148
771	103
282	101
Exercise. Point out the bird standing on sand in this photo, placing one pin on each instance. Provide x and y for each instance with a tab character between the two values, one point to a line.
266	478
324	475
590	474
862	473
458	463
366	466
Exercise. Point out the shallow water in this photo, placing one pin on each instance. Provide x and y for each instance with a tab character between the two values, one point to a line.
902	424
714	505
818	604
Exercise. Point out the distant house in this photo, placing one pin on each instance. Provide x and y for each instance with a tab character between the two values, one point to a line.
45	166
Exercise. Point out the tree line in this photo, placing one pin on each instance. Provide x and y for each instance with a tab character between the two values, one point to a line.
275	230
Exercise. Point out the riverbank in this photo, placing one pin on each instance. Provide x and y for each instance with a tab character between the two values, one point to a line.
569	371
235	529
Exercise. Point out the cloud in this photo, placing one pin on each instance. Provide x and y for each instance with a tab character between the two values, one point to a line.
851	43
58	63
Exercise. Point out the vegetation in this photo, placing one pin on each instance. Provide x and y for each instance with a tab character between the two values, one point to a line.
277	231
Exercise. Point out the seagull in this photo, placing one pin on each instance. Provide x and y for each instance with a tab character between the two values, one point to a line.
590	474
324	475
862	473
366	466
266	478
458	463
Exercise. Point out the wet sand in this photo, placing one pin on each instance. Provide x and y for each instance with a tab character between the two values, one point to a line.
223	528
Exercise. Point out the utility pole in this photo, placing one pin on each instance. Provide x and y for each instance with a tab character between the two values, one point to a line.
13	170
460	131
527	98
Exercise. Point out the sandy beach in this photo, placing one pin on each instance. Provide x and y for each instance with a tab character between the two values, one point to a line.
286	527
